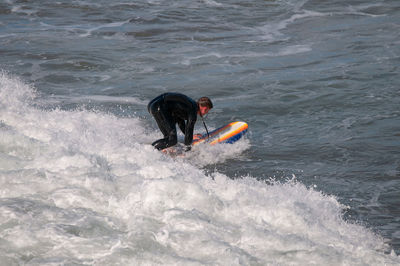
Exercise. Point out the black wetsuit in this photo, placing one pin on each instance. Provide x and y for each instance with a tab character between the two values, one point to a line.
169	109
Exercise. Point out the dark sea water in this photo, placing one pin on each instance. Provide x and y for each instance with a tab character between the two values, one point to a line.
316	181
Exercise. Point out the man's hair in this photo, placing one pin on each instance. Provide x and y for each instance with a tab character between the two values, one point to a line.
205	101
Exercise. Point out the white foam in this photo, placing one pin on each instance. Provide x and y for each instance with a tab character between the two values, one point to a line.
97	99
205	154
358	10
108	25
188	60
23	10
6	35
272	31
290	50
294	49
212	3
85	187
87	29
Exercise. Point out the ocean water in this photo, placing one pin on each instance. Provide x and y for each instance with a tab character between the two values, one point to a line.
316	181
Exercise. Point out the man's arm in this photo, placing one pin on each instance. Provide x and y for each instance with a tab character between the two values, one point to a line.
190	128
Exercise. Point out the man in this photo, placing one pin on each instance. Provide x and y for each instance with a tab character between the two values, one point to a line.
171	108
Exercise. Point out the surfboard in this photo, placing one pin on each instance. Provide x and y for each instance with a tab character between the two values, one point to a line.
229	133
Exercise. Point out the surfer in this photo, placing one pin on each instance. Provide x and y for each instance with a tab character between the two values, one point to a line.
172	108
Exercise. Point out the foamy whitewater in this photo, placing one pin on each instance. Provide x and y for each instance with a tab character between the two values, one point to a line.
84	187
315	181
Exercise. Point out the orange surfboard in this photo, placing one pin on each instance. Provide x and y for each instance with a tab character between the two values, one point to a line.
229	133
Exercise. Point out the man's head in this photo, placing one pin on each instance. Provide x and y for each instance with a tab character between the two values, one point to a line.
204	104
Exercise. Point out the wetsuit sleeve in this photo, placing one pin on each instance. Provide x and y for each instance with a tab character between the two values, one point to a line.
190	127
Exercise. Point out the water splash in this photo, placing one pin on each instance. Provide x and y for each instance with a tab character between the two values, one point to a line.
84	187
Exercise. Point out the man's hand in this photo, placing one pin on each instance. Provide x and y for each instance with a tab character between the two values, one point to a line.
197	136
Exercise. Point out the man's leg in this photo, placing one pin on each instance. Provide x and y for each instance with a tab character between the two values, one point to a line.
166	125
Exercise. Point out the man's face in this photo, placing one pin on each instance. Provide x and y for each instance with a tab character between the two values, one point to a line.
203	110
